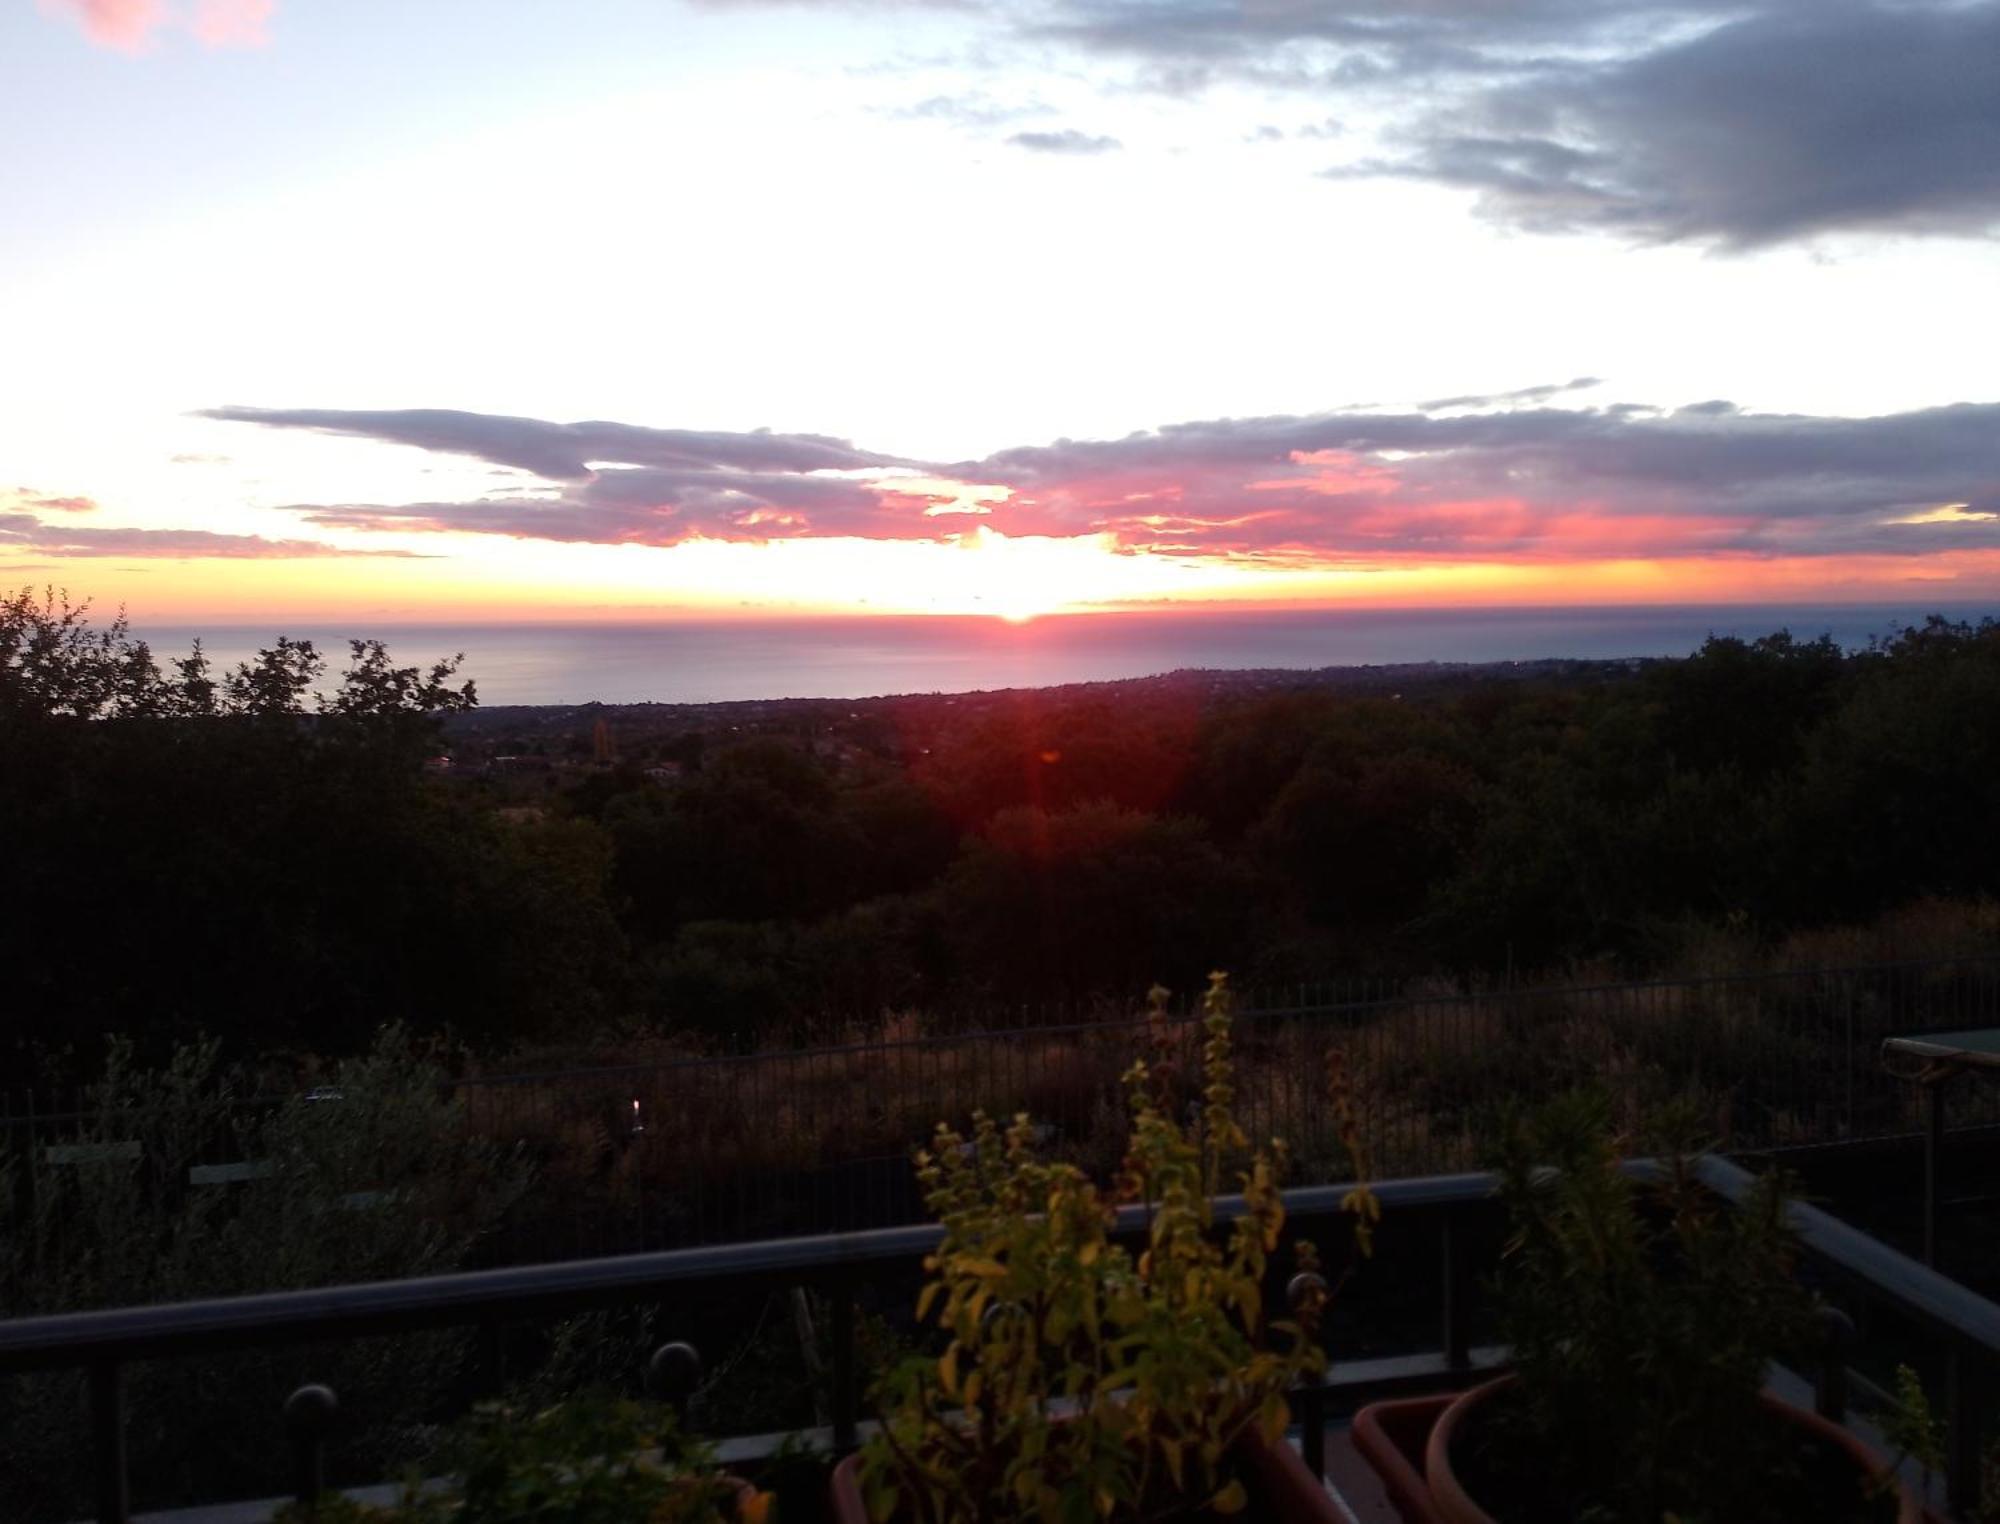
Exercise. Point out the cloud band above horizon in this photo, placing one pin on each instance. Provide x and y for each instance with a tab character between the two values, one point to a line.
1466	478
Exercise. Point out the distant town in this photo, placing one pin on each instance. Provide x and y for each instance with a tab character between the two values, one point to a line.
550	744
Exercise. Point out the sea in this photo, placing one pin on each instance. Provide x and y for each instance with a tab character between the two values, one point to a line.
684	661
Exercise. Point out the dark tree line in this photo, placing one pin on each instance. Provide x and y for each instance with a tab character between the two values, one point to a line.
1058	848
259	854
233	854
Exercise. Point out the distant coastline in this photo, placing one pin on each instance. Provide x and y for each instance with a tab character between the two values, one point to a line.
696	662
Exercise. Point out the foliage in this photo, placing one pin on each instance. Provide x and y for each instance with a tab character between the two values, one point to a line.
584	1461
56	664
1078	1381
1912	1427
371	1175
1643	1315
1092	897
809	864
159	830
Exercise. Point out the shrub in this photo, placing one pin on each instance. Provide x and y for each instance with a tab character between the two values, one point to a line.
1077	1379
370	1176
586	1461
1643	1315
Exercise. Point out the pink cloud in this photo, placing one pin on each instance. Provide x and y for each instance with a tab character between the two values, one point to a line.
28	497
28	532
1543	484
234	23
129	26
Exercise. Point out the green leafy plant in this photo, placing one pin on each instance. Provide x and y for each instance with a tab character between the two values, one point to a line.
1912	1426
584	1461
1080	1380
1644	1314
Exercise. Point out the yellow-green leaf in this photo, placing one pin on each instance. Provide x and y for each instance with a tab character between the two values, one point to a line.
1230	1499
1276	1415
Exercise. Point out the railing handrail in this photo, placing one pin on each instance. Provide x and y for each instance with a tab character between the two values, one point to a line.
163	1329
169	1328
104	1341
525	1291
1942	1304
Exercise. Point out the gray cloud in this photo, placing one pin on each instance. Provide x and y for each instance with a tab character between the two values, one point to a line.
1505	479
24	531
1521	394
972	109
1799	121
1524	481
617	483
1734	124
567	451
1065	141
1365	37
653	506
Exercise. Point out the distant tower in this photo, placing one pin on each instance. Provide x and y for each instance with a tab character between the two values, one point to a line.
600	742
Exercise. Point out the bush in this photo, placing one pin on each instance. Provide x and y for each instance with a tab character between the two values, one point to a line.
369	1176
1160	1360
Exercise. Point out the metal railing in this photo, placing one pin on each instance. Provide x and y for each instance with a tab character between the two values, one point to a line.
1962	1329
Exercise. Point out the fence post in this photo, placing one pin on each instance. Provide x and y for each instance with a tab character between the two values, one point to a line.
1457	1344
1933	1146
671	1375
1847	985
1962	1420
1830	1383
309	1415
845	1427
493	1354
107	1442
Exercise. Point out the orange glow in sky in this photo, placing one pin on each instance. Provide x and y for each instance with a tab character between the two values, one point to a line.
1013	579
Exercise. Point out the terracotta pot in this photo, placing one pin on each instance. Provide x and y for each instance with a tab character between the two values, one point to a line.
1390	1437
1453	1505
1280	1486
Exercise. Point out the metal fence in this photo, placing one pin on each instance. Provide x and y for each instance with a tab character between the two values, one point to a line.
819	1140
706	1150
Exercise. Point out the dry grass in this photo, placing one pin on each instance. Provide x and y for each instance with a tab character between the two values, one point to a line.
819	1139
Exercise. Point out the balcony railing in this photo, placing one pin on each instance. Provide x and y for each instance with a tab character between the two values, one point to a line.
1961	1330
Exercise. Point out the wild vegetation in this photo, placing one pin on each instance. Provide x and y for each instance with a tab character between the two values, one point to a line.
372	1174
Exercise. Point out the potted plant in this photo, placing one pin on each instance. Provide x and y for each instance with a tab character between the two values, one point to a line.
583	1461
1080	1380
1643	1315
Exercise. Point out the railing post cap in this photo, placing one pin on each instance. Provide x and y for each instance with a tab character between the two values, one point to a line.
1836	1327
1304	1285
672	1371
311	1409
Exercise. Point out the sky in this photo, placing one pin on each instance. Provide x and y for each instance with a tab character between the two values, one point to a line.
650	308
